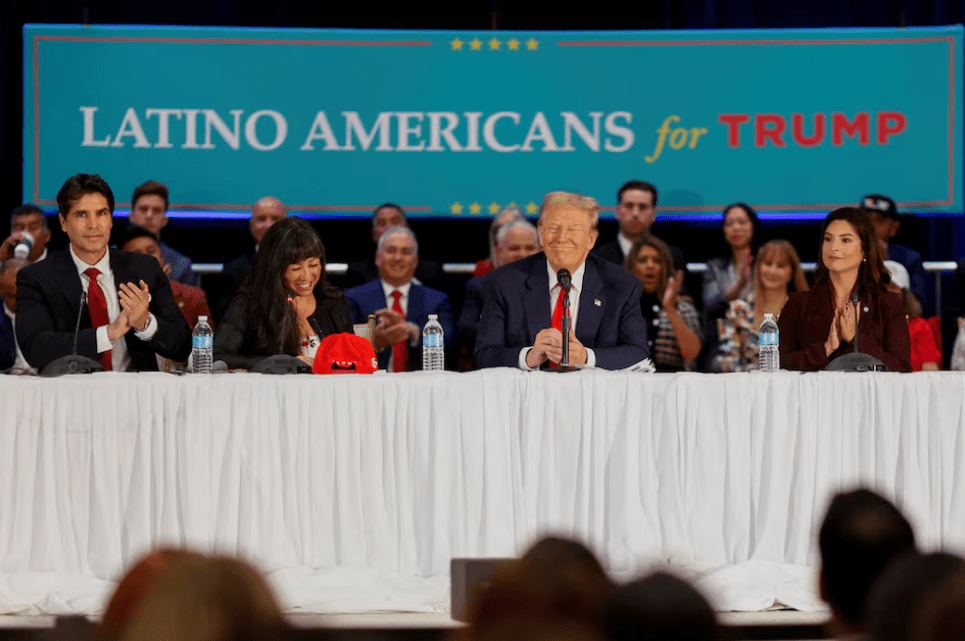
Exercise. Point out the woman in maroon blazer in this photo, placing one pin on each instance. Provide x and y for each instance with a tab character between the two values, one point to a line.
818	325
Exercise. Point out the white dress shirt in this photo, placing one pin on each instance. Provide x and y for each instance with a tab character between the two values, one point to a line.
414	330
576	286
120	359
625	244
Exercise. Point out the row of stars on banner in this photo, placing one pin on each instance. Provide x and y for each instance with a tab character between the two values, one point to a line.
493	208
495	44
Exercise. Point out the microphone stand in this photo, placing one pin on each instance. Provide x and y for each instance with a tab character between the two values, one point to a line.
564	364
856	361
74	363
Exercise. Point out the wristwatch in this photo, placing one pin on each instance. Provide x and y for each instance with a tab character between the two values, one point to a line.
147	324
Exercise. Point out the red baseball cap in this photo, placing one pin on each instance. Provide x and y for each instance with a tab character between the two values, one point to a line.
345	354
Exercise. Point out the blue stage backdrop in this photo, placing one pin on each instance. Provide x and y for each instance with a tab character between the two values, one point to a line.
461	124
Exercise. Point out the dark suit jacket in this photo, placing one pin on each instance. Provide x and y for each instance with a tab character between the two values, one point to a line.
367	299
517	307
234	342
612	252
48	301
180	266
8	343
805	323
469	316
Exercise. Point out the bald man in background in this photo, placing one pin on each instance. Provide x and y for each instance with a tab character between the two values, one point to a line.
264	213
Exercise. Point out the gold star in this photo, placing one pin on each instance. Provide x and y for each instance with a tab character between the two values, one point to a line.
494	44
513	44
474	208
456	208
532	44
512	204
531	208
457	44
475	44
493	207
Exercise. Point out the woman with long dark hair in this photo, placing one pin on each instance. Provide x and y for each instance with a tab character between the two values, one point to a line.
817	326
286	305
730	276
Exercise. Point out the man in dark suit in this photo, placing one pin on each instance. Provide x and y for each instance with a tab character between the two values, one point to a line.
387	216
401	305
149	209
636	211
521	315
130	314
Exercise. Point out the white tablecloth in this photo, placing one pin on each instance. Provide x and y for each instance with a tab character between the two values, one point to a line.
353	493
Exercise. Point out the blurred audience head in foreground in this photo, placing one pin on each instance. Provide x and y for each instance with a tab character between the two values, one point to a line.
185	596
861	533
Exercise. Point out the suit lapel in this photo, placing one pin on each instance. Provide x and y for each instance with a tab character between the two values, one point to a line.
536	301
70	285
591	313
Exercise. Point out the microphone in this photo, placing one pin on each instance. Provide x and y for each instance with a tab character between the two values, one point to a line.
856	361
565	281
854	302
564	278
73	364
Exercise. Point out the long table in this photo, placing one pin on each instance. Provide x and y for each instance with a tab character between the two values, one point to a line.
353	492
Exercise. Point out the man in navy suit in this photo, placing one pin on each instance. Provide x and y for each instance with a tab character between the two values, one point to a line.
141	317
608	330
401	305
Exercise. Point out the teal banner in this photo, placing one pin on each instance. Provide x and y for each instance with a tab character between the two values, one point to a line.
461	124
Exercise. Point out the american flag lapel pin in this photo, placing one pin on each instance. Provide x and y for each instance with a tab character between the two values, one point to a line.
596	301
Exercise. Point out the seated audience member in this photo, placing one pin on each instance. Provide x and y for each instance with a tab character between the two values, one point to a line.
673	324
401	305
818	326
210	599
635	213
10	354
884	217
660	607
729	277
556	580
777	274
191	300
910	601
516	239
149	209
522	315
264	213
32	219
388	216
860	535
505	215
136	585
130	315
286	304
925	355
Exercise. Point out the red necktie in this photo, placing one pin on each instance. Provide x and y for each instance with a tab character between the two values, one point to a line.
558	317
400	353
97	305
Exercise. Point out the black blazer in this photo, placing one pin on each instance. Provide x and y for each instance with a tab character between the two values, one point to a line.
48	302
234	342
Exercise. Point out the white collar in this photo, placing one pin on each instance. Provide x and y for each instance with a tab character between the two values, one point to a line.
388	289
576	277
103	265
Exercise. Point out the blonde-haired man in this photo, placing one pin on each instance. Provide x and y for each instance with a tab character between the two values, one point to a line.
521	314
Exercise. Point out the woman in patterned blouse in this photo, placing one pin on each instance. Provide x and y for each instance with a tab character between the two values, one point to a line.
777	273
673	324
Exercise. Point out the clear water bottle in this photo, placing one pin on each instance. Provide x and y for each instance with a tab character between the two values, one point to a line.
433	341
769	342
202	346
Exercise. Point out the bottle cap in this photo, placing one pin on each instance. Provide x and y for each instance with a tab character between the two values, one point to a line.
202	318
433	316
768	315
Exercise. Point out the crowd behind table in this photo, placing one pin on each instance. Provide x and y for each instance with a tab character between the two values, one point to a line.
628	303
